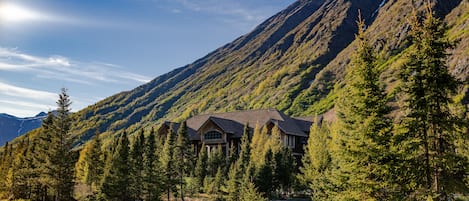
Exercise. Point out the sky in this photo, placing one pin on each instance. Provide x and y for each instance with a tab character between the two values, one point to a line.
97	48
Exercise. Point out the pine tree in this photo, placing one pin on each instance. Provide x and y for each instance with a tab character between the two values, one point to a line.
245	153
264	176
95	163
232	184
61	158
167	164
151	171
116	180
136	160
201	165
249	192
317	161
365	130
182	155
218	182
430	129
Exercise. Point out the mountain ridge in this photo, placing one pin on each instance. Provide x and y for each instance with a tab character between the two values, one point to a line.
12	126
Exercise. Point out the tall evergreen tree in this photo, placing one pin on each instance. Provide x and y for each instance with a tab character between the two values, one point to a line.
167	163
116	180
245	153
183	155
61	158
365	129
152	174
317	161
136	160
430	129
95	160
232	184
201	166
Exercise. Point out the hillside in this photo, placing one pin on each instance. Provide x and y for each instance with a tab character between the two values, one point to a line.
290	62
12	127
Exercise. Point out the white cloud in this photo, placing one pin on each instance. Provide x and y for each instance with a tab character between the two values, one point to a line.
26	93
225	8
63	68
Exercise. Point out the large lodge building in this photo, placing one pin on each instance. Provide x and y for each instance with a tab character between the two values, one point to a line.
226	129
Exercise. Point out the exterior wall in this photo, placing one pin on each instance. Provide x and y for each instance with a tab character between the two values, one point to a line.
210	126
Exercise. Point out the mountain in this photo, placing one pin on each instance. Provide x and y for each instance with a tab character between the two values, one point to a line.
12	127
294	62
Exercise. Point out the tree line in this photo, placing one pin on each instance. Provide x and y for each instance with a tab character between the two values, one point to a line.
419	154
144	166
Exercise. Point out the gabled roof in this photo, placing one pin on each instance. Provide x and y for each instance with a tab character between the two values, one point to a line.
233	122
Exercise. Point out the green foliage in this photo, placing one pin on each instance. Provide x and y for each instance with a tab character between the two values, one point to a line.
429	128
152	186
60	158
201	165
95	163
116	180
317	161
249	193
137	165
167	164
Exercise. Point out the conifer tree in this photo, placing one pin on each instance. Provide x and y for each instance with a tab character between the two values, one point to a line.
265	177
201	166
245	152
365	130
249	192
182	155
167	163
232	184
95	164
61	158
136	160
116	180
430	129
152	175
317	161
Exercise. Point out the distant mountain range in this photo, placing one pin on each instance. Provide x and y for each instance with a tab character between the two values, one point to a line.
12	127
294	62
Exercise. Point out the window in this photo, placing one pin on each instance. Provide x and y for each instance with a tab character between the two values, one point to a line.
290	140
212	135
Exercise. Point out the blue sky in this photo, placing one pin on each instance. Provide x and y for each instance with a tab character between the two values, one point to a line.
97	48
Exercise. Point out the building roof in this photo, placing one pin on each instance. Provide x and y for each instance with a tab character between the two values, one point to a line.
233	122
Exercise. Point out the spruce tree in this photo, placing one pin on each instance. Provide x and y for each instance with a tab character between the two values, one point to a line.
429	128
245	153
60	160
201	165
182	155
167	164
136	160
264	176
233	183
95	164
116	180
365	129
317	161
152	187
249	192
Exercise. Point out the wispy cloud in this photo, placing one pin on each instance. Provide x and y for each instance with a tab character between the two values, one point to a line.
15	91
24	102
62	68
227	8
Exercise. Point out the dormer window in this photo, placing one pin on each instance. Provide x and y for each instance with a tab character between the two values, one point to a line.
212	135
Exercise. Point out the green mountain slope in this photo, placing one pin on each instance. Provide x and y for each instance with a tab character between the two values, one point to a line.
291	62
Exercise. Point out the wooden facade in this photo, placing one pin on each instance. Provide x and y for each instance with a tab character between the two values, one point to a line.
226	129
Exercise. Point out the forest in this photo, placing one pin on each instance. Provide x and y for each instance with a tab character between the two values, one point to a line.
408	145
